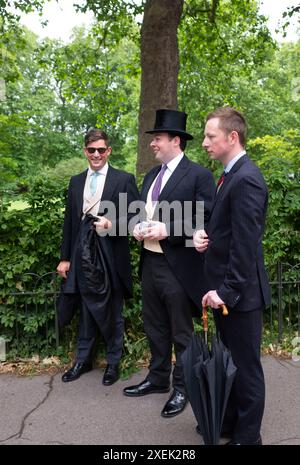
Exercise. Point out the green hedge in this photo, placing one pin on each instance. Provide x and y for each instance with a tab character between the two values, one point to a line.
30	241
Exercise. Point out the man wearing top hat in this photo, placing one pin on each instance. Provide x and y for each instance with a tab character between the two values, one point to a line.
171	271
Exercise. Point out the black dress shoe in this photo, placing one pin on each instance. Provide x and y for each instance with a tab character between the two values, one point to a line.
144	388
77	370
111	374
236	443
175	404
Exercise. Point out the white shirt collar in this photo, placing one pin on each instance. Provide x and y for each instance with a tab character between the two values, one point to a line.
232	162
102	171
175	162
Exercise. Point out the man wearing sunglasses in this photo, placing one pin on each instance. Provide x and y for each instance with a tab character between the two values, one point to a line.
88	193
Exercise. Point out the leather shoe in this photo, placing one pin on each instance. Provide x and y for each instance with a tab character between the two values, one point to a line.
236	443
77	370
175	404
144	388
111	374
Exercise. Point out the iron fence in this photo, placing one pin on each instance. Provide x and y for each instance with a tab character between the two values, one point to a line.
283	315
29	315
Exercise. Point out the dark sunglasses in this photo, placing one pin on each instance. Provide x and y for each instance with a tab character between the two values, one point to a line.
99	149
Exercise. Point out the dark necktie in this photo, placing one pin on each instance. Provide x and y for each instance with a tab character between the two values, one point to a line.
157	184
220	181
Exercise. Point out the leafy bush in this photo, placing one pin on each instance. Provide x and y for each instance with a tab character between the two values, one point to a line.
279	159
30	242
29	245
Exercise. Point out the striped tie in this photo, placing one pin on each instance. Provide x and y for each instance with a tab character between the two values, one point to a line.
220	181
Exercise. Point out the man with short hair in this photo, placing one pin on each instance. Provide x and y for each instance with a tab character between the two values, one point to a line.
171	271
234	268
88	192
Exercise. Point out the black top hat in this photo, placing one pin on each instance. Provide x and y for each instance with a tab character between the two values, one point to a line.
171	121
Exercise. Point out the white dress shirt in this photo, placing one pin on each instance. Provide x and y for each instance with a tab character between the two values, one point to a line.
232	162
154	246
91	203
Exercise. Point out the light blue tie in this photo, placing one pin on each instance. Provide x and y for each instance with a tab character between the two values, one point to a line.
94	183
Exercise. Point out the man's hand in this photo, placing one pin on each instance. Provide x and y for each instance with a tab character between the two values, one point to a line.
200	240
156	232
137	232
212	300
102	224
63	268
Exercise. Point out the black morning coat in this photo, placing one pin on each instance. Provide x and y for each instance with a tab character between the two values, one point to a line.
116	182
90	274
189	182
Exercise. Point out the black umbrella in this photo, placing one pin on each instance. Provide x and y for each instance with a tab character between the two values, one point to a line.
209	375
196	351
66	305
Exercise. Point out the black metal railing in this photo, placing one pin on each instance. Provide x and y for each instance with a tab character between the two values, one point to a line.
30	323
31	315
283	315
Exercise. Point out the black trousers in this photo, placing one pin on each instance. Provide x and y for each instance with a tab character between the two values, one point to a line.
241	333
167	319
88	327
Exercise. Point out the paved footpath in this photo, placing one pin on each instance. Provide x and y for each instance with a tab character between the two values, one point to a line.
43	410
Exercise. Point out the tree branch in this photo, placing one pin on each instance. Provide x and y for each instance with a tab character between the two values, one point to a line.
210	10
213	12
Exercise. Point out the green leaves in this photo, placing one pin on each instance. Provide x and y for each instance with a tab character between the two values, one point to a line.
54	92
278	157
30	242
60	92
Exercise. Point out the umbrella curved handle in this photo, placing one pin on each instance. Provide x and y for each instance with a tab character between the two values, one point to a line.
205	319
224	309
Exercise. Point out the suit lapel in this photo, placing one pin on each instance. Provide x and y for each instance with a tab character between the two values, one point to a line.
110	185
238	164
227	180
148	181
179	172
79	192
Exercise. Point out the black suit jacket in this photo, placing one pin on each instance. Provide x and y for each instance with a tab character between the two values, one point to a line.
234	263
189	182
116	182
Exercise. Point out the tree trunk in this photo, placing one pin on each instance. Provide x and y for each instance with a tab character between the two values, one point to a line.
160	67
